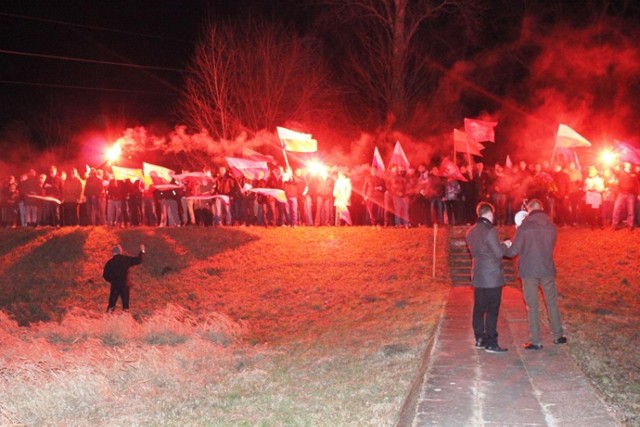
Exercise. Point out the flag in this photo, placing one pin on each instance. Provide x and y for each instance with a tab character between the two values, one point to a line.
121	173
250	154
273	192
479	130
297	141
199	177
628	153
508	163
248	168
569	138
398	157
377	160
462	145
450	170
46	198
154	174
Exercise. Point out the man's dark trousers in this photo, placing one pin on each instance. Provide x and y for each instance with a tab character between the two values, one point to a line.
486	306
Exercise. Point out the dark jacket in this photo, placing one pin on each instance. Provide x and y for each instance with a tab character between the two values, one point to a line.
116	270
534	243
487	253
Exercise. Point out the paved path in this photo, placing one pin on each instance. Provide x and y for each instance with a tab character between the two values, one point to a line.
464	386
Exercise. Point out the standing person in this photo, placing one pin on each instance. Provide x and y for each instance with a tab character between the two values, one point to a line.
624	205
487	277
342	199
71	197
116	272
53	188
373	192
534	243
92	191
593	187
290	186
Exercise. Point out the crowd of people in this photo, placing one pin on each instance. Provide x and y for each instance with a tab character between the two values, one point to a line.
397	197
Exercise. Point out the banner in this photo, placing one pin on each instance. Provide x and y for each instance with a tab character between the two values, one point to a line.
273	192
45	198
398	157
250	154
121	173
297	141
479	130
462	145
154	174
248	168
569	138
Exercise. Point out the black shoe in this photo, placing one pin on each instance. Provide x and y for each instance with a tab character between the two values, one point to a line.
561	340
495	349
480	343
532	346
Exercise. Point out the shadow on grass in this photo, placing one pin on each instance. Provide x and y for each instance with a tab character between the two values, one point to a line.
37	286
171	250
34	285
12	239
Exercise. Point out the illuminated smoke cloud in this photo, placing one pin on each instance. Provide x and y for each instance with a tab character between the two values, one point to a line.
584	77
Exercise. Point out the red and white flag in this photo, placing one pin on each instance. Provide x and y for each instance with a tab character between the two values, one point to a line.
508	163
398	157
451	170
297	141
377	160
273	192
461	144
154	174
199	177
569	138
480	130
250	154
121	173
248	168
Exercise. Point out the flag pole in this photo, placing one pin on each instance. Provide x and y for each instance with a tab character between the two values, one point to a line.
284	153
435	233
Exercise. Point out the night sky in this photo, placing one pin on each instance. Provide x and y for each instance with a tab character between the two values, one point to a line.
158	35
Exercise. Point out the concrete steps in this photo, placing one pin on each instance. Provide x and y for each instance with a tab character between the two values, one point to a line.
460	260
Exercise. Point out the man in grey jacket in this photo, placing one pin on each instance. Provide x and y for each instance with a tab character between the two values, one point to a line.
534	243
487	277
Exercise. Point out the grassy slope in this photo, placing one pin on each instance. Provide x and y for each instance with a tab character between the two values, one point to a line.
307	326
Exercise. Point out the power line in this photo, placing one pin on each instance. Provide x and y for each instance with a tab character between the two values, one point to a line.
60	86
91	61
91	27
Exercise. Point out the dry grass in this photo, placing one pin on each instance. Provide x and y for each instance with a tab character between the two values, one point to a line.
319	326
599	283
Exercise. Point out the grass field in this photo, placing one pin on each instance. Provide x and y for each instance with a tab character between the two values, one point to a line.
246	326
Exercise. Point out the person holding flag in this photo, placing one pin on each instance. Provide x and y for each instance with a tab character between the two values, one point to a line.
373	192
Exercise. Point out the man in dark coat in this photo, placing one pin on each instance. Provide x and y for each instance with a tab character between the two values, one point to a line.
534	243
487	277
116	272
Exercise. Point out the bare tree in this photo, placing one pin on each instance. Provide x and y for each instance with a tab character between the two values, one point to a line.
249	77
385	44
